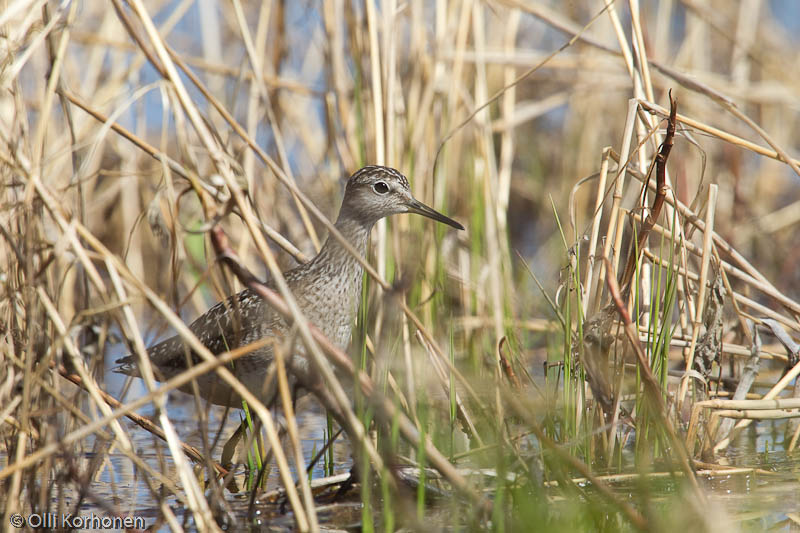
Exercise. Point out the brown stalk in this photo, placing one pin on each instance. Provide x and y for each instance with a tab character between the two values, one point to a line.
652	388
190	451
508	370
658	201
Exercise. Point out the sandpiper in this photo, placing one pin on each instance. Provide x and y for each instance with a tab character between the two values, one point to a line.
327	290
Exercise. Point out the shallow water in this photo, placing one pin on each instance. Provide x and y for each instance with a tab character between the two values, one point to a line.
751	501
118	481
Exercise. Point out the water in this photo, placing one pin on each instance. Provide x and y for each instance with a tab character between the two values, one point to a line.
759	499
118	481
763	497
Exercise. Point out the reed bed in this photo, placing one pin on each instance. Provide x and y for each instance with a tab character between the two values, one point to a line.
621	308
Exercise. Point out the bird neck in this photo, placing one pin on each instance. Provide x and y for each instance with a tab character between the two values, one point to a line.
356	232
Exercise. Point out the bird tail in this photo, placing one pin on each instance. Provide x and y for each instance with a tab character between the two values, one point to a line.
126	365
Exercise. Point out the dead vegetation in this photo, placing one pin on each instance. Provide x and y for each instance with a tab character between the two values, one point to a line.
633	160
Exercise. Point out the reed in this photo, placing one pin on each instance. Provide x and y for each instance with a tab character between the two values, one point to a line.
621	307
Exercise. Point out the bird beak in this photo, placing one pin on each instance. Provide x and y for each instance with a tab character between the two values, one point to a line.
415	206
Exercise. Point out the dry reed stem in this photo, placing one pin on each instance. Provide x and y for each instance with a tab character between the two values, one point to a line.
654	212
291	424
175	167
167	64
427	86
763	414
198	501
66	404
716	132
190	451
705	259
590	280
615	216
257	67
771	394
127	408
570	28
214	152
766	288
709	470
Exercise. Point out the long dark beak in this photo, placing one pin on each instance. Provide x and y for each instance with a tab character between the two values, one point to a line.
415	206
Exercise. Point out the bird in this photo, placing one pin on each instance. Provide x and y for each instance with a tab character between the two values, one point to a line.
327	290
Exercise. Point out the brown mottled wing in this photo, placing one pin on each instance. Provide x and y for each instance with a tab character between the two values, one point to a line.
237	321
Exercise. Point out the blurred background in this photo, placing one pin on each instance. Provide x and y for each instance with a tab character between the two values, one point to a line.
325	88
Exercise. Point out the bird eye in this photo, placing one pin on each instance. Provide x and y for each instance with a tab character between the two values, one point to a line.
380	187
